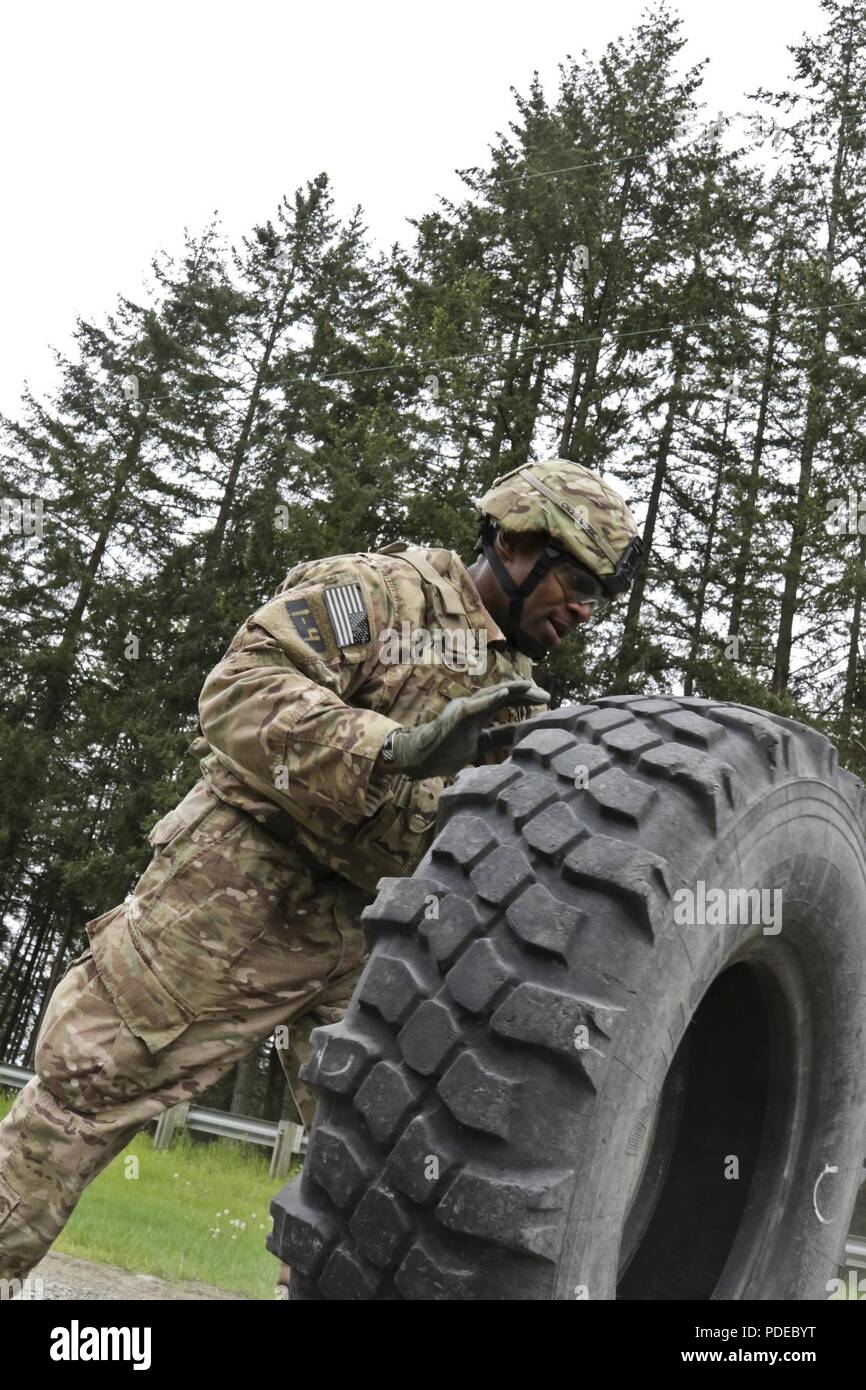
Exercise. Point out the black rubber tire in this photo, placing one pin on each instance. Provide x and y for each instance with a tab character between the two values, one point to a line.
555	1091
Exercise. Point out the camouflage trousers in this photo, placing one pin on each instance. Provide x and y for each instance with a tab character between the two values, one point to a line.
228	934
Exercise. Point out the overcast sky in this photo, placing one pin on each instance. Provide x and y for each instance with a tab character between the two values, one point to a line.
123	123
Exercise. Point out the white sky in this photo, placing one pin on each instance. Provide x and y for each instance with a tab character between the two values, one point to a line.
125	122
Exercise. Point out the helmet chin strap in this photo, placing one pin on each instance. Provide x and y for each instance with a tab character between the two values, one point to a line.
518	593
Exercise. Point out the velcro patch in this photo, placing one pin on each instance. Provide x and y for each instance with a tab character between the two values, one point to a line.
306	622
345	605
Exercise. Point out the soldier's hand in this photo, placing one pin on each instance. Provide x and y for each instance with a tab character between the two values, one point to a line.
501	736
451	740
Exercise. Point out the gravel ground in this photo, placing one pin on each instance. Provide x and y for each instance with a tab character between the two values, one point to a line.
65	1277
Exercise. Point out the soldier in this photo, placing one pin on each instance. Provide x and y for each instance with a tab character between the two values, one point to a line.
325	748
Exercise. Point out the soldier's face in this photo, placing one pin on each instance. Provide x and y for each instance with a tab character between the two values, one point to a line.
550	613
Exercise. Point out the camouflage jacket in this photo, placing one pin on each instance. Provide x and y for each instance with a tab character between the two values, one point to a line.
296	712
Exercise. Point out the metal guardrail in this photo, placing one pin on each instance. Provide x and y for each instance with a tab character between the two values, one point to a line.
14	1076
283	1138
228	1126
855	1252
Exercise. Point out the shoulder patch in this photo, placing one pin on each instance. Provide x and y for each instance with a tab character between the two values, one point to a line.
306	622
348	614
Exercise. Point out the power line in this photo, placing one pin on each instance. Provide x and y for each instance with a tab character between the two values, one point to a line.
713	140
430	367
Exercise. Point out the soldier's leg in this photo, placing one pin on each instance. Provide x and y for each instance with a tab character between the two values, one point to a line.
294	1046
96	1086
81	1109
226	936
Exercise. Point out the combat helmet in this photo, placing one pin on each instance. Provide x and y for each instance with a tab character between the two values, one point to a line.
585	519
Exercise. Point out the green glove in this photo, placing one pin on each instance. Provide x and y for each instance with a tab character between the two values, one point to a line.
451	740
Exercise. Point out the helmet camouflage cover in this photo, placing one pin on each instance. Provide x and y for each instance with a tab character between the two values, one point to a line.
584	514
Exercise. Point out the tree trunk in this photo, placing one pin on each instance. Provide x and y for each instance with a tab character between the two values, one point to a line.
239	452
58	683
53	978
524	443
587	354
63	659
741	564
853	666
629	648
707	559
25	990
276	1086
814	420
17	963
243	1095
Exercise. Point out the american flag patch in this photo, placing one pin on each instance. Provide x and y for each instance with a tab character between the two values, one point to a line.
348	615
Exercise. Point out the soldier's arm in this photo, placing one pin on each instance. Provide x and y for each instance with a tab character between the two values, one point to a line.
274	709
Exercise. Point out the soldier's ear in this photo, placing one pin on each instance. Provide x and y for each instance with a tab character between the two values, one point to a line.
508	544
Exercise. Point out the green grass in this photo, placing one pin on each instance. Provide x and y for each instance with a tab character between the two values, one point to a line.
171	1213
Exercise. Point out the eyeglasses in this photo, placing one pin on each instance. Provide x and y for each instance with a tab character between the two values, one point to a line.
580	585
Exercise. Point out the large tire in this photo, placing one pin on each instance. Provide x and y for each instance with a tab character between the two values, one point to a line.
555	1090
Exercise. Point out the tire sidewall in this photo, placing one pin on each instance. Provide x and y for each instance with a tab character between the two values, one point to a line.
815	966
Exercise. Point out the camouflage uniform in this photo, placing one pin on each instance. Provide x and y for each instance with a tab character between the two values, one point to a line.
248	914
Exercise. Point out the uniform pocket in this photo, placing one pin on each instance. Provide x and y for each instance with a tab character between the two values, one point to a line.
425	691
150	1010
203	903
186	816
397	837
